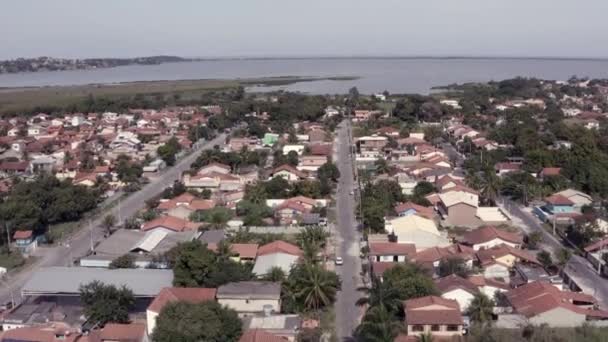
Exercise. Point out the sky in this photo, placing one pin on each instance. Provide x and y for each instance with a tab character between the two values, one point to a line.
237	28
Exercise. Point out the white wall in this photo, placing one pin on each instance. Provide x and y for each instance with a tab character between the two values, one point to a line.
250	305
463	298
492	243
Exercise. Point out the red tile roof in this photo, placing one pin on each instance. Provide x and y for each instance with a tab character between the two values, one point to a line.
392	248
22	234
290	169
438	253
39	334
427	212
480	281
321	149
171	223
597	245
550	171
279	247
243	250
558	200
186	294
538	297
490	233
381	267
259	335
489	255
416	312
123	332
451	282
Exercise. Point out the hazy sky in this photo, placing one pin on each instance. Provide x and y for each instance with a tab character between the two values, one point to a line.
108	28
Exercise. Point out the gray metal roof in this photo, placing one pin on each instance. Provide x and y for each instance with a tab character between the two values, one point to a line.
250	290
67	280
213	236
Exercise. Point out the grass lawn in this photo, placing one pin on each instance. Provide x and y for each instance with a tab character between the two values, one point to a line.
12	260
58	232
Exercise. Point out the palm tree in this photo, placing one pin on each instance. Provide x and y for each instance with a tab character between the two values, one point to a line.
378	325
382	166
490	186
276	274
381	294
563	256
315	234
428	337
480	308
311	251
317	287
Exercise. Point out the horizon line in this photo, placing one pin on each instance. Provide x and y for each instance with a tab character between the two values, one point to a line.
354	57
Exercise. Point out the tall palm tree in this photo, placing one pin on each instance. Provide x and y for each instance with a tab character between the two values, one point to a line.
427	337
317	287
311	251
480	308
381	294
563	256
490	186
378	325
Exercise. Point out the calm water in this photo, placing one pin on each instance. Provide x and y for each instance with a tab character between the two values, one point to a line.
394	75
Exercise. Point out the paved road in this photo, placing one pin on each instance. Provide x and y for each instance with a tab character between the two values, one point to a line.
578	267
80	244
347	313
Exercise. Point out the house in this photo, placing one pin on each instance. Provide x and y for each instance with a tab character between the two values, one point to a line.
290	211
542	303
410	208
488	237
116	332
504	168
286	326
248	297
24	241
213	181
311	163
457	288
498	260
391	251
47	333
184	205
240	252
431	257
577	197
270	139
417	230
371	146
434	315
288	172
458	206
174	294
237	144
279	254
143	246
549	172
489	286
169	224
214	167
260	335
558	204
299	149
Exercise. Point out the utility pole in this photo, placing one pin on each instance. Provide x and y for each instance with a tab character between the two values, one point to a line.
8	238
91	229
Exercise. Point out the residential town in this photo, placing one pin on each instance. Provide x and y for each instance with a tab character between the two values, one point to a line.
473	212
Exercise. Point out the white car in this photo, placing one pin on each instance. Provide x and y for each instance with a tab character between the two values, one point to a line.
352	193
339	261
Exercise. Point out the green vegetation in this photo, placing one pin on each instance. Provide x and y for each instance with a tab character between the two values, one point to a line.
46	200
106	303
196	266
169	150
123	261
201	322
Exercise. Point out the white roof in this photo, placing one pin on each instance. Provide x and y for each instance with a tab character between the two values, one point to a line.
373	137
264	263
150	241
409	224
491	214
454	197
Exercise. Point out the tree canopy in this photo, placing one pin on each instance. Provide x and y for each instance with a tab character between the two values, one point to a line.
200	322
106	303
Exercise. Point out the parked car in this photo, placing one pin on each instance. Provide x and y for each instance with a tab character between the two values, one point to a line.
339	261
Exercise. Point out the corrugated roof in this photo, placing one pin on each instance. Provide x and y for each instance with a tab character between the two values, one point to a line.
67	280
150	241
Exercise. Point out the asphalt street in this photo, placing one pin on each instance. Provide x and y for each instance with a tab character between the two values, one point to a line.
92	232
347	313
